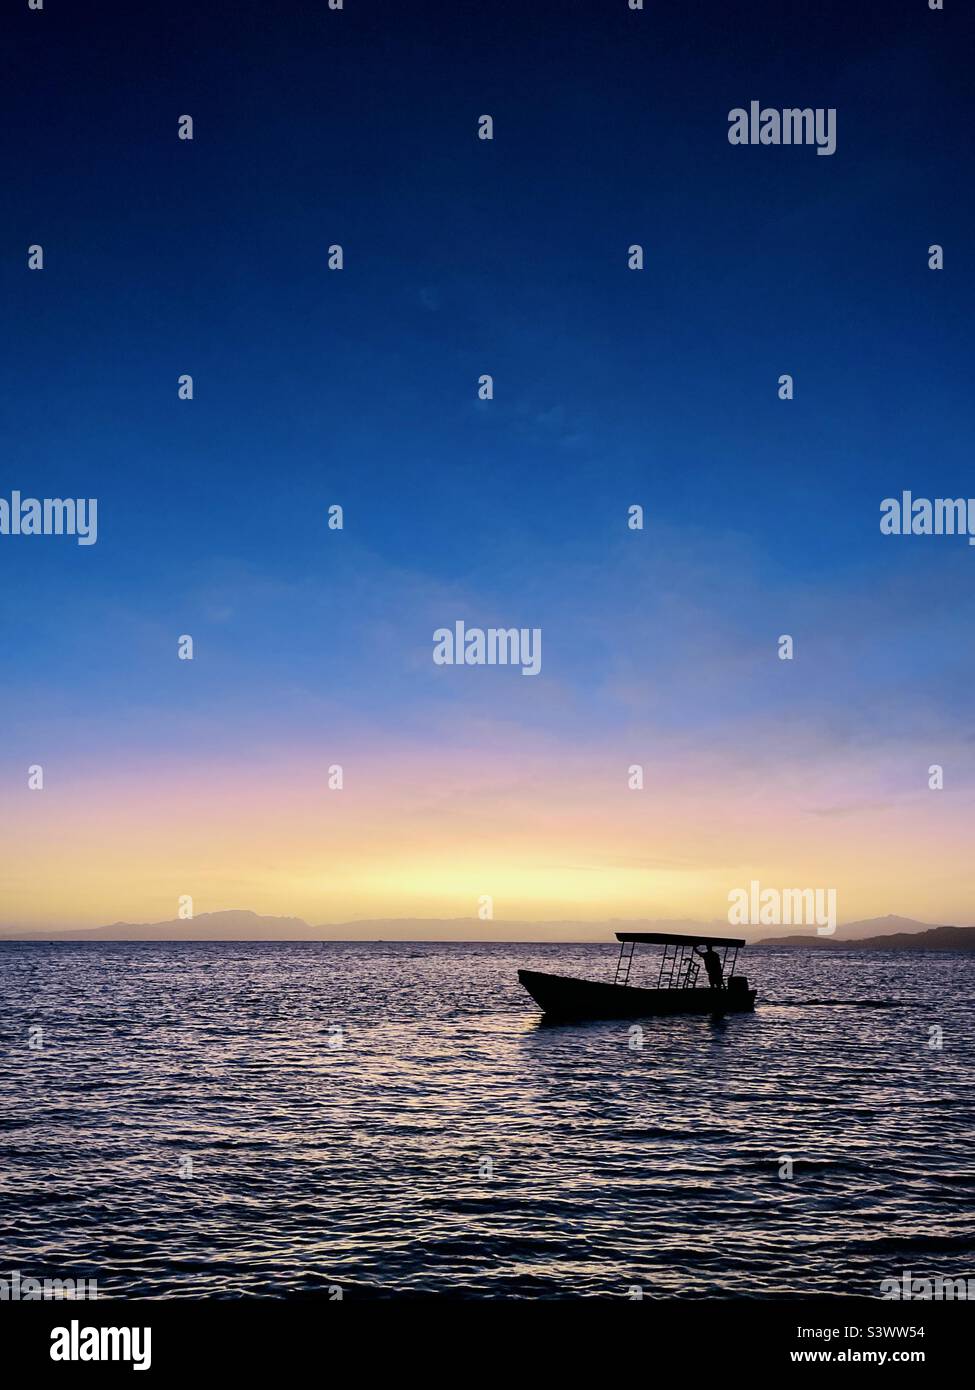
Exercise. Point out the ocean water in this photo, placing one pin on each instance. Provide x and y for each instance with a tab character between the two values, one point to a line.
249	1119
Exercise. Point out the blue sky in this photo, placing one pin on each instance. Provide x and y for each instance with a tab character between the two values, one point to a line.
463	257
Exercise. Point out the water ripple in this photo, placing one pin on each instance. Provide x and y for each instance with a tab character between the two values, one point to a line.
271	1121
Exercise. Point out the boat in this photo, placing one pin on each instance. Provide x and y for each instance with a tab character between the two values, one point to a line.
675	990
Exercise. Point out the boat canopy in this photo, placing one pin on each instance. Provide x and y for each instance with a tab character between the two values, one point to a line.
667	938
679	965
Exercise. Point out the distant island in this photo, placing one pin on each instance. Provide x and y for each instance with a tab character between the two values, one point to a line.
877	933
934	939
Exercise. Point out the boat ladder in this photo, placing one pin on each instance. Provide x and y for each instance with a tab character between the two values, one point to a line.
624	963
669	966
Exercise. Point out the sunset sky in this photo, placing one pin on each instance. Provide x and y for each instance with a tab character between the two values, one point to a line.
314	647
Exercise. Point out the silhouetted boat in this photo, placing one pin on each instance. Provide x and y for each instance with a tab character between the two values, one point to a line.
675	990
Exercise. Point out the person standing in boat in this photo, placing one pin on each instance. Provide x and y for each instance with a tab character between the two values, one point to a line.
712	964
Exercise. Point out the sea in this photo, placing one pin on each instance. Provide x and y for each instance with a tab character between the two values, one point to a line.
380	1120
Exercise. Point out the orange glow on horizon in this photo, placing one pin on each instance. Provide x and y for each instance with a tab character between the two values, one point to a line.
545	836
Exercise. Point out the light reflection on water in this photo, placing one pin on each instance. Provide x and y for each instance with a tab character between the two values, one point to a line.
363	1165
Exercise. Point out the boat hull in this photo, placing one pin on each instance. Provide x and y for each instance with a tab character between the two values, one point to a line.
562	996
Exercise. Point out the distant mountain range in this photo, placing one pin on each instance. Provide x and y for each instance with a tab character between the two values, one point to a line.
934	939
885	933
